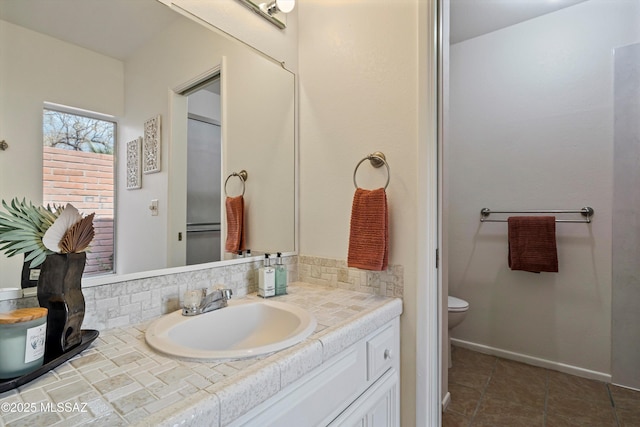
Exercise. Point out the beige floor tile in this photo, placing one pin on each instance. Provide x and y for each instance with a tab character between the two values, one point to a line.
504	412
627	405
490	391
628	417
569	385
480	360
506	420
582	410
470	368
464	400
469	376
517	382
452	419
624	397
521	372
555	420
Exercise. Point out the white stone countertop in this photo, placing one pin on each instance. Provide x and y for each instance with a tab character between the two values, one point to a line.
119	380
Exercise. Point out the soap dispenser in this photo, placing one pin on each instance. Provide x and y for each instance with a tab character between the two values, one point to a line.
281	276
266	279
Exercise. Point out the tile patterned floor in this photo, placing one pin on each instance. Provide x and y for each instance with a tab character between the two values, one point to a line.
491	391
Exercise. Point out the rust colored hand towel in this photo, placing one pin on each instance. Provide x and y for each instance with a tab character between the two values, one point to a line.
532	243
235	224
369	235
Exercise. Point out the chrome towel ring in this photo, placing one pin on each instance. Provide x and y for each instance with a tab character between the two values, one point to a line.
243	175
376	159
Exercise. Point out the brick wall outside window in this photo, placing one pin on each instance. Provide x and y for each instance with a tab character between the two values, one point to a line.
86	180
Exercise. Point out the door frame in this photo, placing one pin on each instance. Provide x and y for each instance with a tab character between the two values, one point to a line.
429	321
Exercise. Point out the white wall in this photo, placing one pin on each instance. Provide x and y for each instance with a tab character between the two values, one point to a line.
358	94
235	19
531	128
259	125
25	55
182	52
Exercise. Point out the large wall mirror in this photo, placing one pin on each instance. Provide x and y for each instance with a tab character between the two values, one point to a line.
137	60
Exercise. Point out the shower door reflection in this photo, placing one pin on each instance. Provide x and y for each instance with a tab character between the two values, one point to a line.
203	176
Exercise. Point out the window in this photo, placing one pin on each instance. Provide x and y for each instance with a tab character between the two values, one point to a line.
78	168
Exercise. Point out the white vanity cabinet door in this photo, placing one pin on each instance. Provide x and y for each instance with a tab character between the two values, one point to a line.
313	398
385	412
357	387
379	406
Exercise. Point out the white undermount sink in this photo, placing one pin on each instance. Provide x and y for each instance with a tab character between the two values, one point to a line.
245	328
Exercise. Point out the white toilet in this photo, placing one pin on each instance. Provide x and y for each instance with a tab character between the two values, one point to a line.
457	311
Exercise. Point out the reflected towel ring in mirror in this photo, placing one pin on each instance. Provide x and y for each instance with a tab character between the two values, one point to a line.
376	159
243	175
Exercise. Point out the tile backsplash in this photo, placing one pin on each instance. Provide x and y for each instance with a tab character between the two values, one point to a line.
335	273
119	304
125	303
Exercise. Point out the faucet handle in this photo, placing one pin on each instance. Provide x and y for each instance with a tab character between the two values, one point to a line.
225	292
192	298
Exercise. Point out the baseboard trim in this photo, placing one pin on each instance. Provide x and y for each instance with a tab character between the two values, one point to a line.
446	401
627	387
535	361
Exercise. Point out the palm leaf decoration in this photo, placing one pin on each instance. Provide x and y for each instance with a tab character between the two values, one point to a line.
78	237
22	228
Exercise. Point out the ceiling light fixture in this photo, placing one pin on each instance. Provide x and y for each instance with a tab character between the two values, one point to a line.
273	10
284	6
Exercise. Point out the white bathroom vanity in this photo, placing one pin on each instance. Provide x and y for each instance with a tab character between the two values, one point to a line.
345	373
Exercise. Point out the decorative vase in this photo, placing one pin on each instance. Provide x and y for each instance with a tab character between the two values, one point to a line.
29	275
60	291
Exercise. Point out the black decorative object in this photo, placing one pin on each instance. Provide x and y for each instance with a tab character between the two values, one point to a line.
29	275
60	291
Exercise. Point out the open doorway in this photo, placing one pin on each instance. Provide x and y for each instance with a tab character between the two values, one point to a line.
533	122
203	172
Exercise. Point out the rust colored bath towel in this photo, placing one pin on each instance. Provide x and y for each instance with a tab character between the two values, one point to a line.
369	235
235	224
532	243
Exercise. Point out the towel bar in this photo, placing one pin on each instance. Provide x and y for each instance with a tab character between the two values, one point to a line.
586	212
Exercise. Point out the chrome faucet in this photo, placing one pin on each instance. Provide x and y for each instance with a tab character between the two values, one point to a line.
204	303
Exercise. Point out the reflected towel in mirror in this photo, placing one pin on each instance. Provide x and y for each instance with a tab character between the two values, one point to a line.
369	234
235	224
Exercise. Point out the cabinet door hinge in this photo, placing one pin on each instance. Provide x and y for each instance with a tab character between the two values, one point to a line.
437	257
